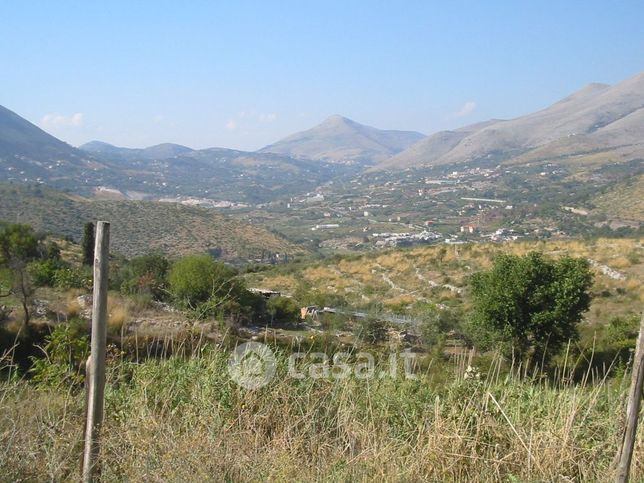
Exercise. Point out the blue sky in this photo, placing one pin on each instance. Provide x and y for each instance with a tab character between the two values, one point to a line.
242	74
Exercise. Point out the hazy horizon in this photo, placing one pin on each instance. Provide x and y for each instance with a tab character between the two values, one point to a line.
243	76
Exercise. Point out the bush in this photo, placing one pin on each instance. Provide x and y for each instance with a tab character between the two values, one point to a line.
67	278
196	279
209	288
530	305
283	310
370	330
43	272
146	275
65	352
437	324
621	332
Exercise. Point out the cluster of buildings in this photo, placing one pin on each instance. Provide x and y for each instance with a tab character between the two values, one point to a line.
204	202
404	239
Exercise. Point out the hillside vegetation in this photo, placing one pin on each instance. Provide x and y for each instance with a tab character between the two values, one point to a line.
406	280
174	413
140	227
185	420
625	202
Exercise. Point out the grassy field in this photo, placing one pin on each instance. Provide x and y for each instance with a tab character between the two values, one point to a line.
185	420
140	227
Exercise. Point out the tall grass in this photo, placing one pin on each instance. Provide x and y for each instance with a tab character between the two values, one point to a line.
183	419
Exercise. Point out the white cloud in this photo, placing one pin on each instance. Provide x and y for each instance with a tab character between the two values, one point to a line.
249	119
270	117
58	120
467	108
255	116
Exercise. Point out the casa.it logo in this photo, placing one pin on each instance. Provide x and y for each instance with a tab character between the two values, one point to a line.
252	365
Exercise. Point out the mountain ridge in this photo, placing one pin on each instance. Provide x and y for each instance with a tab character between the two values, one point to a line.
586	115
341	140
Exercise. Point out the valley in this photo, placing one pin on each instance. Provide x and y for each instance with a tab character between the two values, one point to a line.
430	302
572	169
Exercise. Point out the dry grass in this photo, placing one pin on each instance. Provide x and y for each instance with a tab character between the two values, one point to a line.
117	318
184	420
620	263
430	273
72	307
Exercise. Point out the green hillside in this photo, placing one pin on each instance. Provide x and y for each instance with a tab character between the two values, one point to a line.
140	227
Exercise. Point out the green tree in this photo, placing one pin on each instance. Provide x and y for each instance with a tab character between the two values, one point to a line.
87	244
210	288
196	278
18	247
145	275
283	310
530	306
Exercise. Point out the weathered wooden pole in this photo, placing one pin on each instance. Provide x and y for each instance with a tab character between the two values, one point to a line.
96	362
625	452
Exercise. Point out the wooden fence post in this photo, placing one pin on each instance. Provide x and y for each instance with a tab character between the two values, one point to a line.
625	452
96	362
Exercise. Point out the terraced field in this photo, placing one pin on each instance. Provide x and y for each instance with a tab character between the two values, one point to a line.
405	280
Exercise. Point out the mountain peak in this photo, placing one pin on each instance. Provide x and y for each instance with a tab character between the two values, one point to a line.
338	119
95	145
341	140
598	116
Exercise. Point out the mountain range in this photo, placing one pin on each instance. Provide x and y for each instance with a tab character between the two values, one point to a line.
599	123
336	140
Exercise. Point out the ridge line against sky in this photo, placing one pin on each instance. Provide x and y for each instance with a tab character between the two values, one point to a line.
245	74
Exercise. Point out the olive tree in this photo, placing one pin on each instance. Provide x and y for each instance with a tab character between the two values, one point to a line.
530	305
18	246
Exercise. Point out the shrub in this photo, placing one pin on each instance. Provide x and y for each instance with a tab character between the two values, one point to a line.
370	330
197	278
145	275
283	310
436	324
65	352
67	278
621	332
43	272
529	305
210	288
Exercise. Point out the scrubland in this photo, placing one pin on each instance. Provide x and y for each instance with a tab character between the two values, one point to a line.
183	419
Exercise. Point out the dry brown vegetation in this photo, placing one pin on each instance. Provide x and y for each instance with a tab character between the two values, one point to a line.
624	202
439	273
185	420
